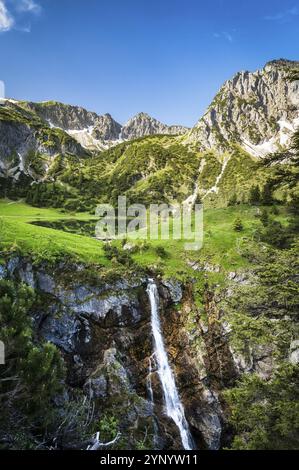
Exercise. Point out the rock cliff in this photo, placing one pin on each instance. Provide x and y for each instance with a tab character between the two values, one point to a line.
259	111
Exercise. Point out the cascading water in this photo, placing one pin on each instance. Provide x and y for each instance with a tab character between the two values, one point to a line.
174	406
151	398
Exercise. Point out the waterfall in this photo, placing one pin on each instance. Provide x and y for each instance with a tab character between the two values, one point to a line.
151	398
174	406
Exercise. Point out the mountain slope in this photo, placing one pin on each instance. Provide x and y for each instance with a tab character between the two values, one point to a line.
28	145
142	124
216	162
88	128
96	132
259	111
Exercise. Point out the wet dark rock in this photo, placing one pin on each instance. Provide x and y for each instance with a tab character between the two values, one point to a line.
174	289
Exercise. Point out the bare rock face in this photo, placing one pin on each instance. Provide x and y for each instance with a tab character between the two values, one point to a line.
92	131
259	111
24	137
142	124
74	119
62	115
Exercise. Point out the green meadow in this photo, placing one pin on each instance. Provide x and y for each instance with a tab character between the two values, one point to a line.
222	245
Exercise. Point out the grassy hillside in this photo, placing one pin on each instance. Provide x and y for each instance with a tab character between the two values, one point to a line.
222	244
17	233
149	170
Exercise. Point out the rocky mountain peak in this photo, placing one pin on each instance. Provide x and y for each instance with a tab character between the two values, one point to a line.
143	124
97	132
257	110
281	64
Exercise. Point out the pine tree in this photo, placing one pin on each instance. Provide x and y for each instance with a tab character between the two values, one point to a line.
266	196
254	195
265	217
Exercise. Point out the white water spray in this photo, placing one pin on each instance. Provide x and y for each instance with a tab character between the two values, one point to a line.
174	406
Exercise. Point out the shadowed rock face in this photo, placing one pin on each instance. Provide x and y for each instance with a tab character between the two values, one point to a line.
104	333
23	134
259	111
103	330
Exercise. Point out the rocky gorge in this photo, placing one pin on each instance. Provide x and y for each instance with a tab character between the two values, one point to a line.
102	329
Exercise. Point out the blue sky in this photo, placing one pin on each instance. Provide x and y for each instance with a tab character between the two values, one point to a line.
164	57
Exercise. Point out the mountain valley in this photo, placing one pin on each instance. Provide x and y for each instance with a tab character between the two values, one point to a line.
90	325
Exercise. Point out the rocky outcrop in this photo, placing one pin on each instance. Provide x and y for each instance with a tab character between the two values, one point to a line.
91	130
74	118
142	124
23	136
203	364
86	129
259	111
103	330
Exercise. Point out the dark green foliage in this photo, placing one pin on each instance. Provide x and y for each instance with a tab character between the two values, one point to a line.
238	225
264	217
274	210
293	208
58	195
263	314
233	200
275	234
160	251
265	414
267	195
32	374
15	189
35	164
114	253
254	195
273	293
293	204
284	166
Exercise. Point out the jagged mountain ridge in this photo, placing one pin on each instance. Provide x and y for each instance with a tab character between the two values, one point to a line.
257	110
142	125
98	132
26	141
51	128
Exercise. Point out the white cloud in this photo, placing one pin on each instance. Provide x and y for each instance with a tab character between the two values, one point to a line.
224	35
284	15
28	6
6	20
9	21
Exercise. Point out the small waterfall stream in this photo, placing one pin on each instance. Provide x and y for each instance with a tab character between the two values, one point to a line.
174	406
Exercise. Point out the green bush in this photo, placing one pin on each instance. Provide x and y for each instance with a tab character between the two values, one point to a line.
265	414
33	371
238	225
161	252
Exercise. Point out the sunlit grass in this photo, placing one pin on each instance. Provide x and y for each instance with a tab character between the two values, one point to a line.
221	244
